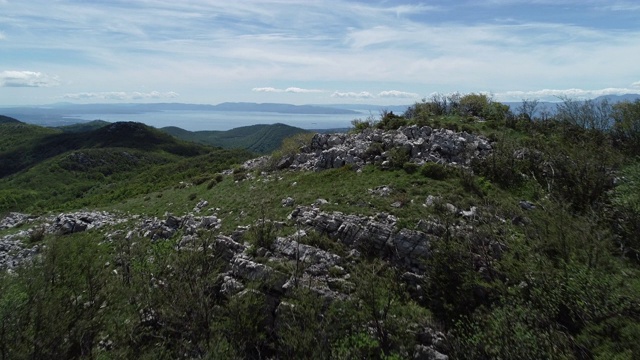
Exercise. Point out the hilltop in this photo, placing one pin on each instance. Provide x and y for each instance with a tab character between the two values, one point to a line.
457	230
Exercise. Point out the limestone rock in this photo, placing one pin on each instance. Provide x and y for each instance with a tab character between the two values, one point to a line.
372	146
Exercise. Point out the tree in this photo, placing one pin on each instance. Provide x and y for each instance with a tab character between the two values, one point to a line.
587	114
626	126
527	110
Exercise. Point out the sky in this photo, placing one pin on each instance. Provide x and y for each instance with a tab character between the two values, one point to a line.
314	51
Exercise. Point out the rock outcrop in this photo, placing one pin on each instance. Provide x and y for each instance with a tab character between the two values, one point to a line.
375	235
374	146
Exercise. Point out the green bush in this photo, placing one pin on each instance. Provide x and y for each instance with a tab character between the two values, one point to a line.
398	157
410	167
435	171
391	121
359	125
375	149
626	127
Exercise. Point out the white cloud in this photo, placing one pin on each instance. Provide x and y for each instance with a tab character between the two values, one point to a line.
368	95
553	94
287	90
357	95
397	94
267	89
636	84
303	91
2	36
27	79
401	10
121	95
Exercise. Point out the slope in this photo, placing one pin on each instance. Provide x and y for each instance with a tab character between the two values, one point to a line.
84	127
260	139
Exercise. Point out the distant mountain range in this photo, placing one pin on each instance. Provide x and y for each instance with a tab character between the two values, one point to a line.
61	114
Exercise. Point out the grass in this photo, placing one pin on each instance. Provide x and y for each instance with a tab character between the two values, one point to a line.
244	202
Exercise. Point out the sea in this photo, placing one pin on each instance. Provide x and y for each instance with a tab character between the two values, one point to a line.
226	120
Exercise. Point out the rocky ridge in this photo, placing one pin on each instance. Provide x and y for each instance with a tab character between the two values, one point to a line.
375	146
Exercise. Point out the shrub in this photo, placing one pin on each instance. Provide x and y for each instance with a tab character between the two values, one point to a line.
359	125
373	150
398	156
435	171
199	180
390	121
262	234
239	174
410	167
37	234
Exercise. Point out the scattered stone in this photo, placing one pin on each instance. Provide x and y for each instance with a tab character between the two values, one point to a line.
288	202
527	205
384	190
200	205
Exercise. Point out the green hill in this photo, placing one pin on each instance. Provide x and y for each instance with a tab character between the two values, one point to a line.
33	144
260	139
42	165
84	127
15	135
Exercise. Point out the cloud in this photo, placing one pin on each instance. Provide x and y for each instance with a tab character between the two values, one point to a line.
267	89
296	90
121	95
27	79
359	95
368	95
303	91
2	36
551	94
397	94
636	84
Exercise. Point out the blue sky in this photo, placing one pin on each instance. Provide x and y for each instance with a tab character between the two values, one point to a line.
314	52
